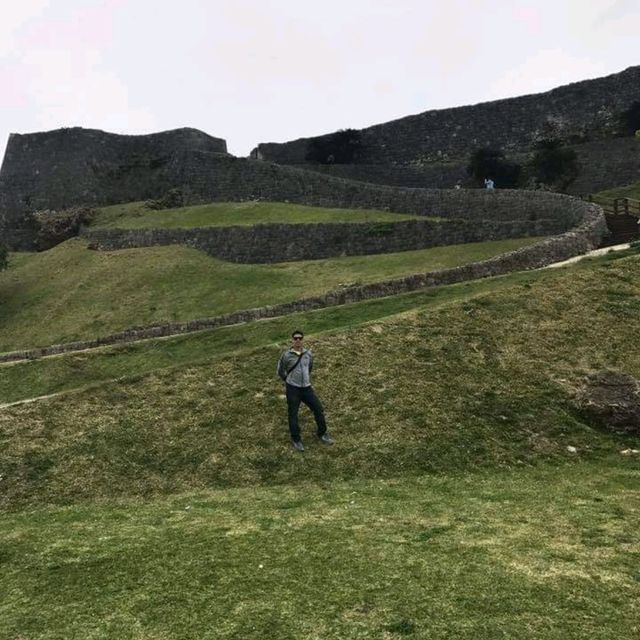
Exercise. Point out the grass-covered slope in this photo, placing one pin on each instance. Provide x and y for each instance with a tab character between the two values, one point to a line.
77	370
630	191
70	293
538	554
481	382
135	215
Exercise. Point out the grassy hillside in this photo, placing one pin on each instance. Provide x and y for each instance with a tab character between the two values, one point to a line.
135	215
169	504
481	382
76	370
630	191
535	554
69	293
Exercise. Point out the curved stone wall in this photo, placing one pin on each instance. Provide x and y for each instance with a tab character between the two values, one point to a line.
585	236
470	215
603	164
207	176
268	243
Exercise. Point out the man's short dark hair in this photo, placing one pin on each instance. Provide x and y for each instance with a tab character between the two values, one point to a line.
297	333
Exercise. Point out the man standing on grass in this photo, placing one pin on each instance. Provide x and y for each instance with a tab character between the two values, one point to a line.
294	369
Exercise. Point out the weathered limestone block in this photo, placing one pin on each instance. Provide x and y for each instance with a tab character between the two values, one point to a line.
612	400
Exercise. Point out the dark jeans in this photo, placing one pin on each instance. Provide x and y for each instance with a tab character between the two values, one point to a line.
296	395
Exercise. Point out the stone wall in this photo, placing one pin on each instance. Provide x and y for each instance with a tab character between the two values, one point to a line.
582	238
216	178
603	164
480	215
269	243
438	175
73	167
576	113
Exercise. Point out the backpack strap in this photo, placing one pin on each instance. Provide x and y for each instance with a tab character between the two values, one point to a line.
295	365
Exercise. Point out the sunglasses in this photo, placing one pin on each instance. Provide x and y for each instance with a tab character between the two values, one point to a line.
298	337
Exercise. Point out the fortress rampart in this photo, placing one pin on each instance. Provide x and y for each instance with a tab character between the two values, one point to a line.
576	113
269	243
603	164
71	167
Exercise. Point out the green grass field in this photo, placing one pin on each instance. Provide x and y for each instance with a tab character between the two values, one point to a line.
34	378
135	215
83	294
534	553
156	496
484	381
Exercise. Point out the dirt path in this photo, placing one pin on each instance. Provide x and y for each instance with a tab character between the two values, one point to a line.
590	254
28	400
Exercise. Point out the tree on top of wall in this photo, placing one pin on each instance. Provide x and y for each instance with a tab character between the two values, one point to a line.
340	147
490	162
630	119
553	165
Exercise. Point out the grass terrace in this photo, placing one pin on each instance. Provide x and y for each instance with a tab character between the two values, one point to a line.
155	494
630	191
465	496
83	294
136	215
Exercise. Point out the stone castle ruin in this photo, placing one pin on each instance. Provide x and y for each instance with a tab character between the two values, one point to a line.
79	167
432	148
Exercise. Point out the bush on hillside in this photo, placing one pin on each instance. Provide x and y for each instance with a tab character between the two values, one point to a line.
340	147
491	163
630	119
4	257
553	165
54	227
172	199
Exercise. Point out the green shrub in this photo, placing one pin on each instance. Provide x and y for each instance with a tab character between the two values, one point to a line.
4	257
554	165
630	119
55	227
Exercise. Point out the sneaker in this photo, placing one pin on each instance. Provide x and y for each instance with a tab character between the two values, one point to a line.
325	438
297	445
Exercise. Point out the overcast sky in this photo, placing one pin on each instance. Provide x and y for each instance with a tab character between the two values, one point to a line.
255	71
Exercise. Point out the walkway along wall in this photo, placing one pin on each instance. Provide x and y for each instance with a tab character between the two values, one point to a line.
584	237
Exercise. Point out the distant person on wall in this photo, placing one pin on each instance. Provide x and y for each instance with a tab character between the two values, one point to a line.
458	185
488	183
294	369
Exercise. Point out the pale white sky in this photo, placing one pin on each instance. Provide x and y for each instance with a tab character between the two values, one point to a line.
255	71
